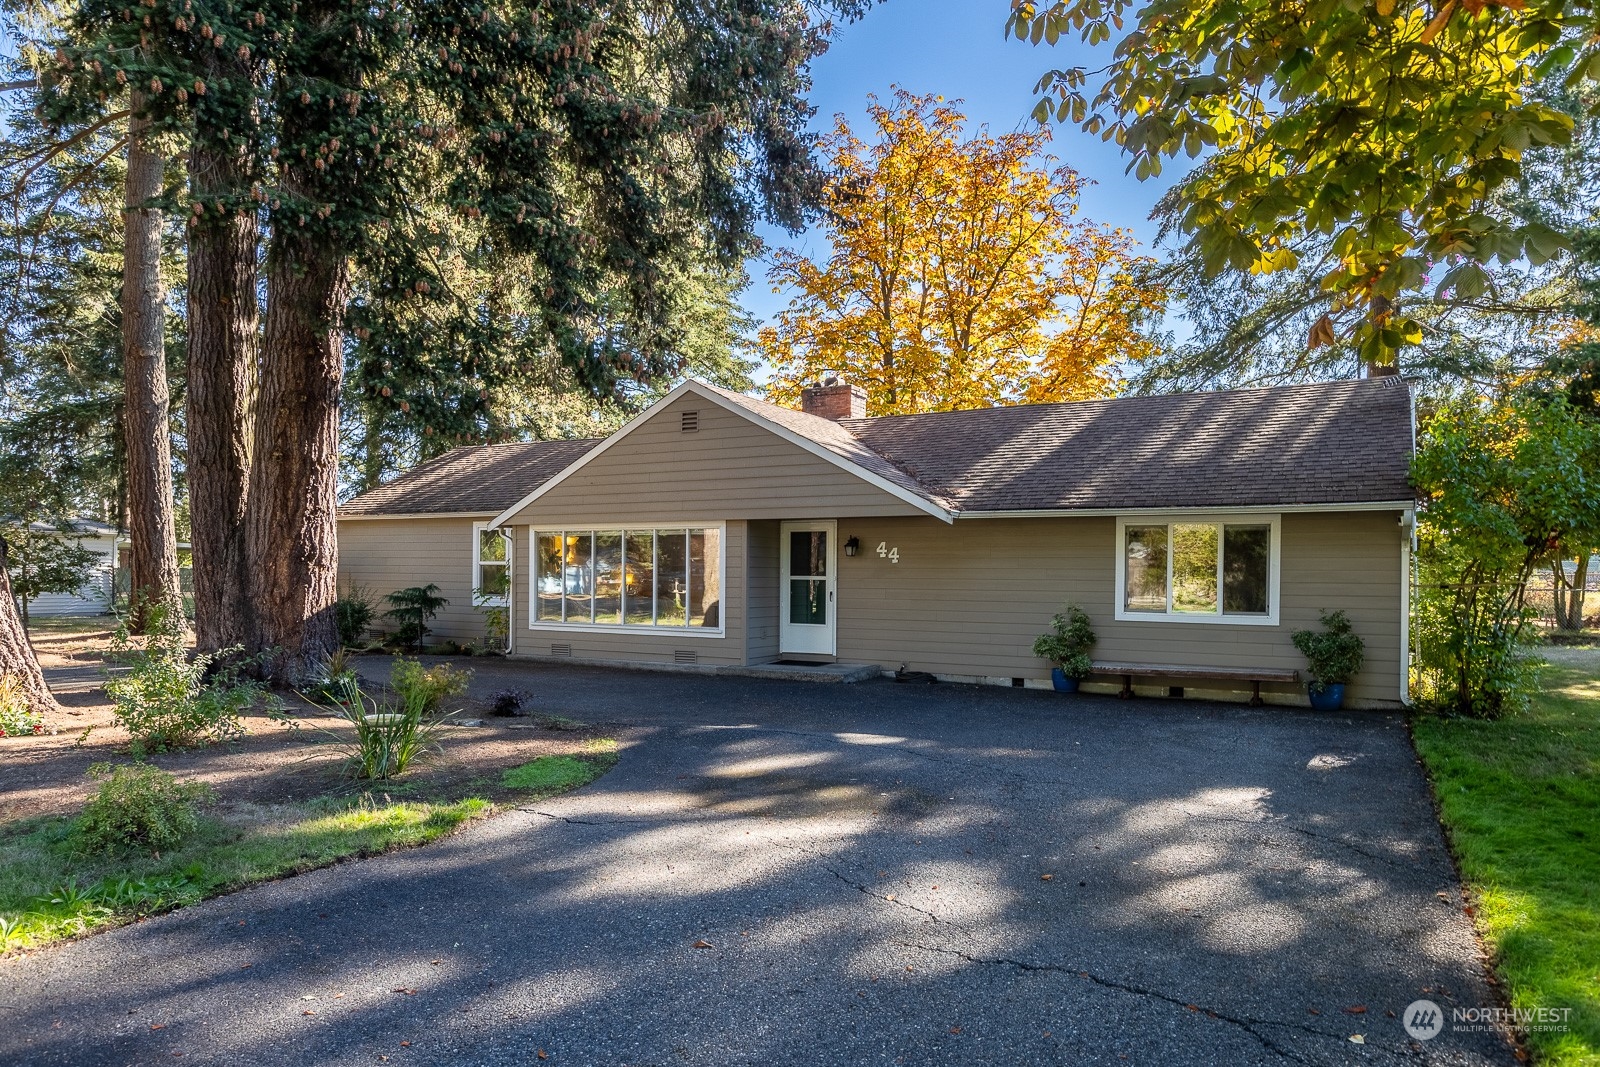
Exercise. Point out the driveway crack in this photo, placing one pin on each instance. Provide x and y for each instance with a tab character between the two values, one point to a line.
1302	831
867	890
1248	1025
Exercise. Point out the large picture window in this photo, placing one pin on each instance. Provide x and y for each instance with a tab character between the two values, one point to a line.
1198	570
666	578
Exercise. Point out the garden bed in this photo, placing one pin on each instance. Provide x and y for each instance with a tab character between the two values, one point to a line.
283	800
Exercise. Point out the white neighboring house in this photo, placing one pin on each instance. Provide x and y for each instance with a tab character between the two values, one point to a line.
94	596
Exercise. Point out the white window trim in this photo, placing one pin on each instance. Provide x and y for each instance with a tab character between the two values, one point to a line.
719	631
478	529
1274	567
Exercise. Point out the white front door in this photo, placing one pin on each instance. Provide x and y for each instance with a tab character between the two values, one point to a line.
807	579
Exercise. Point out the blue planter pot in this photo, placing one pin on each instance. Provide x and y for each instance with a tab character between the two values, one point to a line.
1063	684
1326	697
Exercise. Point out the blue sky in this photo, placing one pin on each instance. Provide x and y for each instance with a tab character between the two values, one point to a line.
958	48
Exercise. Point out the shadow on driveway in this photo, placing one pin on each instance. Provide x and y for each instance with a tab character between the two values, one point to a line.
882	873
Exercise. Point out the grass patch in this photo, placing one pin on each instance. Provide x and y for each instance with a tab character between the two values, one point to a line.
50	891
1519	799
549	775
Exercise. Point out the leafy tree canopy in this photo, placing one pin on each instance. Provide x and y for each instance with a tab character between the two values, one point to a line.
957	273
1382	126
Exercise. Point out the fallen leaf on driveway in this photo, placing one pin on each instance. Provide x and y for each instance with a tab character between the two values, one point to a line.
542	1055
158	1026
308	1013
1047	878
1356	1009
1357	1039
704	944
955	1029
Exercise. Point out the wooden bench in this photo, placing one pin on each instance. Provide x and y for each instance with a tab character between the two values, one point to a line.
1254	675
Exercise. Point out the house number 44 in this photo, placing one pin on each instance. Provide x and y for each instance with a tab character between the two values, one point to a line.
890	554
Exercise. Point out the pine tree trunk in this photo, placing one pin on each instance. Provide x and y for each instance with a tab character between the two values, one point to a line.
291	533
224	319
153	555
16	653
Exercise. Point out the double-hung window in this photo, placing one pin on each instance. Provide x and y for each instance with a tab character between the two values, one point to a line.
1198	569
491	566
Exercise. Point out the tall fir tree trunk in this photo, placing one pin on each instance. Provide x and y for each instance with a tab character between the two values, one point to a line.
16	653
224	320
153	556
291	534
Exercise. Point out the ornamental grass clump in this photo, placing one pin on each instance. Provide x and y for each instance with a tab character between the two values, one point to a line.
388	735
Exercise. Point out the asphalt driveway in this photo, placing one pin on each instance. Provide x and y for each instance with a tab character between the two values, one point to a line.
882	873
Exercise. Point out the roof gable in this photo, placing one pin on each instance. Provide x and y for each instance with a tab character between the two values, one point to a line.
823	440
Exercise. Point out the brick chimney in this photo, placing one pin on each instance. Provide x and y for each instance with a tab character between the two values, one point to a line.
832	399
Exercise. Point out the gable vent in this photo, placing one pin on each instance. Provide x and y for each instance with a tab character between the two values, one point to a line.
685	656
691	421
561	649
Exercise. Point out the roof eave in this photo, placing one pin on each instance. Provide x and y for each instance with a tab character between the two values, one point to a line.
1198	509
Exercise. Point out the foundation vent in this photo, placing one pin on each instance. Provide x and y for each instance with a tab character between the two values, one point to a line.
561	649
685	656
691	421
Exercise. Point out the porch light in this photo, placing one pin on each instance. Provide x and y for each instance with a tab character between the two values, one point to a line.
852	546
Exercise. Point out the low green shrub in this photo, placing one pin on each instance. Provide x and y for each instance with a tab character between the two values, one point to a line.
17	717
167	698
1067	643
430	687
412	609
353	613
1334	653
138	806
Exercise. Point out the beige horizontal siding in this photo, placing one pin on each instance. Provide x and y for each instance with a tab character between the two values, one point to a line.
383	555
728	468
636	645
968	600
762	596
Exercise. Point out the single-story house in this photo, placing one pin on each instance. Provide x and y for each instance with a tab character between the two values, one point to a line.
715	530
94	596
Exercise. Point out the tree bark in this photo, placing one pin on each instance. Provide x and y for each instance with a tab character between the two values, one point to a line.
224	355
16	652
146	427
291	532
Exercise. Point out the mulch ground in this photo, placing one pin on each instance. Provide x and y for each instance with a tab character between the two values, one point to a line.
47	775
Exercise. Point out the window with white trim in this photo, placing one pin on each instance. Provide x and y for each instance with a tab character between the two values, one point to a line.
1198	569
667	578
491	566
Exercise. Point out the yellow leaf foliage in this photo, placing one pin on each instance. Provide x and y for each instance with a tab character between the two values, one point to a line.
956	275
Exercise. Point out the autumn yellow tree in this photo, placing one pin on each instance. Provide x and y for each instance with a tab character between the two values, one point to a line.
958	275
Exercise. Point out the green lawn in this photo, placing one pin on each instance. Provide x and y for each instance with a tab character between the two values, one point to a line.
50	891
1521	802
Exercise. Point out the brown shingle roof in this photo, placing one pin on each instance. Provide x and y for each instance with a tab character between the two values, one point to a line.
1328	443
476	479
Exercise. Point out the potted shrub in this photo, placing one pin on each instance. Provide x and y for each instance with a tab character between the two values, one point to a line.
1066	645
1334	655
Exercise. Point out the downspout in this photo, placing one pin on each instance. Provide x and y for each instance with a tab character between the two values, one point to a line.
1408	571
